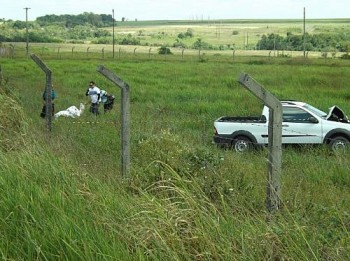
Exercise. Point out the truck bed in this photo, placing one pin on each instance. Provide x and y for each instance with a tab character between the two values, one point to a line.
246	119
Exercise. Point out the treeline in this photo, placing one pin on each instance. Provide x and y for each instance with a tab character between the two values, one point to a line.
313	42
69	21
15	32
59	28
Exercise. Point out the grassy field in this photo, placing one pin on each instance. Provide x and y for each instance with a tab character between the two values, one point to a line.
238	34
223	35
219	32
63	196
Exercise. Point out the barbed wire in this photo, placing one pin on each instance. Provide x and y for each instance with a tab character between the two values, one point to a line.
195	119
162	119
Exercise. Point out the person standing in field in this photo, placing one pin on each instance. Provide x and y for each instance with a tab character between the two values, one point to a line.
53	97
94	92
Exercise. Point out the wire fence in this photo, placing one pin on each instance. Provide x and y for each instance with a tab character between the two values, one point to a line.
89	51
201	124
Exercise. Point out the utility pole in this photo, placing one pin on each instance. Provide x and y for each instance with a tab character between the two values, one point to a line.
304	36
113	31
247	41
27	45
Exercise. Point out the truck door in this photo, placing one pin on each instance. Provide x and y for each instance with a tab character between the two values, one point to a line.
299	126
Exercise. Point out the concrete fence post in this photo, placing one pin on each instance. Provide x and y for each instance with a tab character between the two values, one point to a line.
125	118
273	196
48	90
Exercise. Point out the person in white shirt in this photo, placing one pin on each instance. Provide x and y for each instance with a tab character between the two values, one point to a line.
94	92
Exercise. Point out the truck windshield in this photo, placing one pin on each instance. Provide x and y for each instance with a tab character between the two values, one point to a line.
316	111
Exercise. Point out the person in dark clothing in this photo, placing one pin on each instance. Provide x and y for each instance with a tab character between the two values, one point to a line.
53	97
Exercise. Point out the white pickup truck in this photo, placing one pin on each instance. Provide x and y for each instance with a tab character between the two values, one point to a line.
301	124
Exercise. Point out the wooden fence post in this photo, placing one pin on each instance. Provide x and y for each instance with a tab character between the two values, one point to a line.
275	140
125	111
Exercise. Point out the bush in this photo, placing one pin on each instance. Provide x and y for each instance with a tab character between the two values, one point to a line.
129	41
164	50
187	34
179	44
345	56
102	40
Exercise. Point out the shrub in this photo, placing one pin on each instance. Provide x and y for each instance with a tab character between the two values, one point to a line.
129	41
102	40
345	56
179	44
164	50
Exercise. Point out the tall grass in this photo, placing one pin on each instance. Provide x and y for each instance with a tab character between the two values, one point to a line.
185	199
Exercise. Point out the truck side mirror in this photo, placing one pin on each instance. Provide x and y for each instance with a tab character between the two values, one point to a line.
312	119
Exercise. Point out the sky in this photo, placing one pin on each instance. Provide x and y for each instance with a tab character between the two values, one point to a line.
179	9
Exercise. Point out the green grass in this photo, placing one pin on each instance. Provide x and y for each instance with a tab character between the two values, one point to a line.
63	196
219	32
227	35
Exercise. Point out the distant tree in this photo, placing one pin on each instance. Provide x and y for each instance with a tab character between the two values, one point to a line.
164	50
75	20
178	43
129	40
199	44
314	42
189	33
19	25
181	36
271	42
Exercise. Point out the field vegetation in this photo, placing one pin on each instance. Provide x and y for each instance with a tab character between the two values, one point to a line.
63	196
329	35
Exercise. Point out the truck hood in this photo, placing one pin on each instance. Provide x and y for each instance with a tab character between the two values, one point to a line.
336	114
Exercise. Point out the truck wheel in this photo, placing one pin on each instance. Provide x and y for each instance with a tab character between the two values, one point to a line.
338	143
241	144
